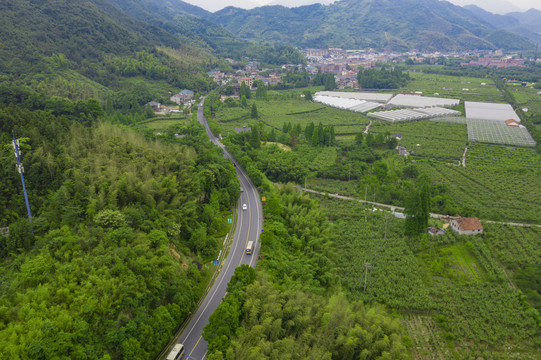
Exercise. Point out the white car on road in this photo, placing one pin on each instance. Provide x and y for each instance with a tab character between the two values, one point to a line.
244	207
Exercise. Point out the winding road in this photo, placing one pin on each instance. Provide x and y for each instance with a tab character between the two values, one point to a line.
249	225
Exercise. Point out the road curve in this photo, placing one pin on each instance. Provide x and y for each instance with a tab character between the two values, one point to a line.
249	225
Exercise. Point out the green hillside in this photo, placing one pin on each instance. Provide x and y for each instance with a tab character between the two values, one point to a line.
408	24
121	221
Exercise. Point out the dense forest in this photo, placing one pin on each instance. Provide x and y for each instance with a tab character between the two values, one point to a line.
293	307
122	222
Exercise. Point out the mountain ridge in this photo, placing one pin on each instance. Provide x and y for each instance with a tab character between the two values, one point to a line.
527	23
401	25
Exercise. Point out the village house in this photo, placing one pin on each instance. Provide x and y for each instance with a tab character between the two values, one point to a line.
247	80
156	106
182	97
467	226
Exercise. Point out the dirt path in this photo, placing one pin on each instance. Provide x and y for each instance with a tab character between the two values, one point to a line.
464	157
398	208
367	128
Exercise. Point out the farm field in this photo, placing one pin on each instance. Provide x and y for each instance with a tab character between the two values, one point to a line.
437	140
276	111
430	84
499	183
527	97
497	132
452	293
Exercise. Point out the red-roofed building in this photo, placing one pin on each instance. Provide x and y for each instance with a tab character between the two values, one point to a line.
467	226
512	122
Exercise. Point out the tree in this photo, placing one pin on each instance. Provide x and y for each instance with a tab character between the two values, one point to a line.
359	138
272	136
261	92
149	113
307	95
20	236
330	82
254	114
255	142
294	140
309	131
418	208
110	219
245	90
243	101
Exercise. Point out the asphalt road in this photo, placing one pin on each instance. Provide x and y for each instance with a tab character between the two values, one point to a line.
249	226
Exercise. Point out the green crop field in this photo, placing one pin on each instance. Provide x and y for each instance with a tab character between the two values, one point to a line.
498	182
431	84
527	97
497	132
451	291
436	140
277	111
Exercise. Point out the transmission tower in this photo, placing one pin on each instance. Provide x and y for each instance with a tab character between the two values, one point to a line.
20	169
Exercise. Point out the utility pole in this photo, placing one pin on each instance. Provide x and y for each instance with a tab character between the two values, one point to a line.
20	169
366	266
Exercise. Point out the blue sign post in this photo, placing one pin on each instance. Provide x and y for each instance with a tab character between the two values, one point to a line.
216	262
229	220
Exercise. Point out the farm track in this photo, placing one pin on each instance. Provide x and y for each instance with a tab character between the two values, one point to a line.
393	207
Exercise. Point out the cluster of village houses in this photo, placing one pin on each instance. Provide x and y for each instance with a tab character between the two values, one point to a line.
344	64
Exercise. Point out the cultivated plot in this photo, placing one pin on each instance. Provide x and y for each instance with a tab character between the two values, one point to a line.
497	132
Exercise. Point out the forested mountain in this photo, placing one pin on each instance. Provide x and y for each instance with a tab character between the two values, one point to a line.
186	21
78	29
398	24
122	52
92	49
527	23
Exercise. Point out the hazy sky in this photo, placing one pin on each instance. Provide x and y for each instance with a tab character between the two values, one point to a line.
492	5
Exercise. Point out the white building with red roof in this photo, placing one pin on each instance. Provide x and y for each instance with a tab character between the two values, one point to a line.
467	226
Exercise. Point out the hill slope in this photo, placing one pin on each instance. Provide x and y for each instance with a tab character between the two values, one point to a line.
399	24
526	23
78	29
81	49
186	22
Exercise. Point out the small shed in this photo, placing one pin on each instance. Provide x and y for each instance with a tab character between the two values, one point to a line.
434	231
402	151
512	123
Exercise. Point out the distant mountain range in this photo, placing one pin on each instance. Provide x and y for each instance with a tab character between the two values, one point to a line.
96	30
526	23
396	24
493	6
